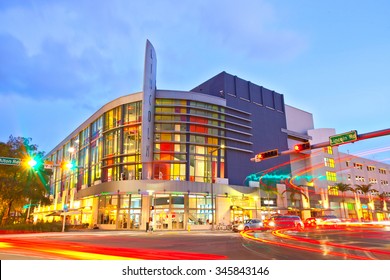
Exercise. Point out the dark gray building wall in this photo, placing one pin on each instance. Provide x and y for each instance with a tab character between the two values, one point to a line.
267	115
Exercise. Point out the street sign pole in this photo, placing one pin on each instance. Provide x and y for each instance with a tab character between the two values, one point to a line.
340	139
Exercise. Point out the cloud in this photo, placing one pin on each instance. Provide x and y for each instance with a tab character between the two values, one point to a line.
55	51
53	73
64	50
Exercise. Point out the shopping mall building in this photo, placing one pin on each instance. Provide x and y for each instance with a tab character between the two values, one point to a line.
180	159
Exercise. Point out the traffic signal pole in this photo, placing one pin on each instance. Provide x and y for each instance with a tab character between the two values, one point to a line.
364	136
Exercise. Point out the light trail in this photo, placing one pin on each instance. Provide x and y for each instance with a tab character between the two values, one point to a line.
83	252
280	233
246	234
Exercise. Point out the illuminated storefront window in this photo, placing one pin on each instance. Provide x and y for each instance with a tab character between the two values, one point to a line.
129	216
199	210
107	209
168	211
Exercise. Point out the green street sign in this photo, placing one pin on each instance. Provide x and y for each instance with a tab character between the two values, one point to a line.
10	161
26	206
343	138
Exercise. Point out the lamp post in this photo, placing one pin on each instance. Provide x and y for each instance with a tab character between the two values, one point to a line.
211	184
68	166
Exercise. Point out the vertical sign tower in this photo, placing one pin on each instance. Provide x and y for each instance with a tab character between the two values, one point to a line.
148	102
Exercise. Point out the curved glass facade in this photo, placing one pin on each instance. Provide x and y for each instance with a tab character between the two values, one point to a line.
187	139
186	133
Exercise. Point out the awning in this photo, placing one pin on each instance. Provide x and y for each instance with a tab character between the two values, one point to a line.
280	208
52	214
71	213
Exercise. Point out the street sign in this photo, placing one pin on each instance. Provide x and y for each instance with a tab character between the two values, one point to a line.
48	164
343	138
10	161
26	206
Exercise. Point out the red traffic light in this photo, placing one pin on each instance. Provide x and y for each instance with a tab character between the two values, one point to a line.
301	147
267	154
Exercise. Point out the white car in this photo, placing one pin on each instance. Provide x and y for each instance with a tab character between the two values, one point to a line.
327	220
249	224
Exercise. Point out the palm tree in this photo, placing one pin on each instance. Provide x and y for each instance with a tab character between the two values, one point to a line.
269	190
366	189
383	197
293	192
341	187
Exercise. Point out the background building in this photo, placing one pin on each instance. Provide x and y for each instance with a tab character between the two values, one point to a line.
317	171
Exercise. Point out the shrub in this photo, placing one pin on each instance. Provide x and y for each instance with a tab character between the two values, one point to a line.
30	228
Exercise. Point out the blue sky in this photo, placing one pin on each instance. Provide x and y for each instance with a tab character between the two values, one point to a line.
60	61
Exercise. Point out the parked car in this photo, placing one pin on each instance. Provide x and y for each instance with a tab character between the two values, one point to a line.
249	224
286	221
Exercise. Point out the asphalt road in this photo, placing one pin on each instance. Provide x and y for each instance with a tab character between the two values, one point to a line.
364	243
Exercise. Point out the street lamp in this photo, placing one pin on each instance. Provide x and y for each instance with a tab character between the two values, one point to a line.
68	166
211	184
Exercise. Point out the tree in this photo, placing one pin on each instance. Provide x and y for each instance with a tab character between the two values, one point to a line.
342	187
383	197
269	190
293	192
366	189
21	184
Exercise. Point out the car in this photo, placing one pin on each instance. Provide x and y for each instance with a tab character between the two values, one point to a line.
249	224
286	221
253	224
267	220
310	222
326	220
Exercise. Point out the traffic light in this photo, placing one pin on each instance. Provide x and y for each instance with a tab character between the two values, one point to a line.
267	154
32	162
302	146
151	207
68	165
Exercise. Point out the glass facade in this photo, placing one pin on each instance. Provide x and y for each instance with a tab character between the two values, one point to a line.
186	133
109	149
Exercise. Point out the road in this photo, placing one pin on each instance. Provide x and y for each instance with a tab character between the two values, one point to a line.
319	244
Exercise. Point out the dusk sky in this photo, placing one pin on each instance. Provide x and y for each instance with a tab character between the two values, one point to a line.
61	61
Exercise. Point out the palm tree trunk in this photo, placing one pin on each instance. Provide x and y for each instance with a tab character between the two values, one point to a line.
268	214
345	213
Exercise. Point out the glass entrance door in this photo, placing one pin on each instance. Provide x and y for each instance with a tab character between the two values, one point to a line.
178	219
